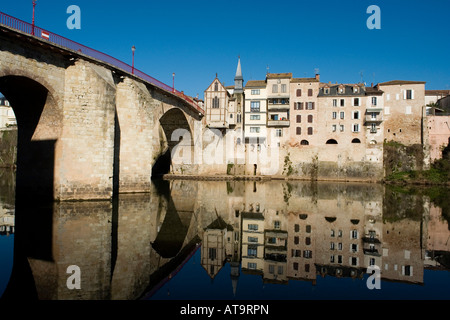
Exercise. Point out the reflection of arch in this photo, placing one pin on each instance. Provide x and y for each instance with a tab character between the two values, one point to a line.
174	229
331	141
373	142
304	143
356	140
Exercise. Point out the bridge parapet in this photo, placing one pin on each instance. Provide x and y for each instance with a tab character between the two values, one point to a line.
44	35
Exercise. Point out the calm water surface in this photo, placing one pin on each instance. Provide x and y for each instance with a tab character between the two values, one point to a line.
196	240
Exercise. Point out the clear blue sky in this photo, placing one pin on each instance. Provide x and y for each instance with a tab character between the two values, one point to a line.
197	39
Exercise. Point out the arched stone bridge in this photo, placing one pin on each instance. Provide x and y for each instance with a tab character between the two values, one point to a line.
87	129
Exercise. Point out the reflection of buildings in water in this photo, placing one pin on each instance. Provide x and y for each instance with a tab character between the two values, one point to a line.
437	240
279	231
336	231
7	221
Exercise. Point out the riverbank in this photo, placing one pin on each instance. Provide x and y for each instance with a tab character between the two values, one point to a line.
205	177
437	175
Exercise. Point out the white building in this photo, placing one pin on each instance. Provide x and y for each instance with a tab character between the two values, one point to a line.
7	116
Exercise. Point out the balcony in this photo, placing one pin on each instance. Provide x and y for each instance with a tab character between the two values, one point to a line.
373	118
278	104
278	123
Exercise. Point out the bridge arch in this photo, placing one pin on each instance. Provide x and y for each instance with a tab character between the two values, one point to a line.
176	143
38	114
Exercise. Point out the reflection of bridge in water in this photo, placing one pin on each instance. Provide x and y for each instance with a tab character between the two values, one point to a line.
127	249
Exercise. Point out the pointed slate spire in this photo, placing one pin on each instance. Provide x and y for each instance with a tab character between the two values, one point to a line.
238	79
238	71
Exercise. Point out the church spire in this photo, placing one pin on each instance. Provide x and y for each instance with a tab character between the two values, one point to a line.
238	79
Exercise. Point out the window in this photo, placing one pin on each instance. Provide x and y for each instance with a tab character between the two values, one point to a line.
279	133
298	131
299	119
332	141
255	129
307	267
239	118
354	247
332	246
231	116
296	240
408	270
256	91
339	233
295	265
308	228
409	94
374	101
327	90
296	228
408	110
251	265
252	239
342	115
253	227
304	143
354	261
299	106
341	127
310	118
334	102
212	254
356	140
334	115
310	131
215	102
342	103
255	117
354	234
334	128
332	259
252	251
307	254
310	106
299	92
332	233
307	241
280	269
355	127
356	102
310	92
283	88
255	106
355	115
216	86
274	88
373	128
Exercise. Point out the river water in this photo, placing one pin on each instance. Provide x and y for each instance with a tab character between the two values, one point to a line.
239	240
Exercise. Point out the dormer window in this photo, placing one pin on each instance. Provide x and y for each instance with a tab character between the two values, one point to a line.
355	89
327	90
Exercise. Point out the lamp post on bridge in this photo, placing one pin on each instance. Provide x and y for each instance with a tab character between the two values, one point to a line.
133	49
32	23
173	82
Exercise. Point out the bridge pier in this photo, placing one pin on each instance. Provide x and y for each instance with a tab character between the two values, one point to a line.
85	165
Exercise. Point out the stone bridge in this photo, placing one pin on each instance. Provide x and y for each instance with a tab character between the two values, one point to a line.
87	129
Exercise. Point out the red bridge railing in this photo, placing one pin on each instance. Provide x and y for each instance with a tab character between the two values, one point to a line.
26	27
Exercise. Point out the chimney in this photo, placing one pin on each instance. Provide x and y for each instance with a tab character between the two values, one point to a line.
318	77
